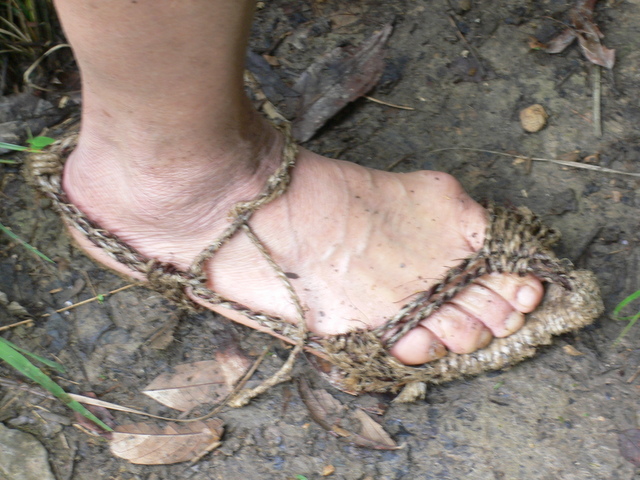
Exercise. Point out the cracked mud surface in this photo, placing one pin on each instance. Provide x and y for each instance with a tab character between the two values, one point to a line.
552	417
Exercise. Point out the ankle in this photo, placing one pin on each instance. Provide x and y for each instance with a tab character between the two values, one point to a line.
145	176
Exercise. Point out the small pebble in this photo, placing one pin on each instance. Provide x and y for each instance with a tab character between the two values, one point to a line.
533	118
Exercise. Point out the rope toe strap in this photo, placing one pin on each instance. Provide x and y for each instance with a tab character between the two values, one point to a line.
515	242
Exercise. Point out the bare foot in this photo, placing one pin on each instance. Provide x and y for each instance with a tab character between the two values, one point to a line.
356	243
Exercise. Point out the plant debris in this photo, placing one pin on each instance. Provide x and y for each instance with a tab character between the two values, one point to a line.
198	383
583	27
331	415
629	445
146	444
334	80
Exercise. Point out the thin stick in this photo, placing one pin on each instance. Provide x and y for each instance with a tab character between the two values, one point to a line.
597	89
7	327
582	166
381	102
634	376
93	299
471	48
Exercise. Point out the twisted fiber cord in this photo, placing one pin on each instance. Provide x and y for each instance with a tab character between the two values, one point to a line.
515	242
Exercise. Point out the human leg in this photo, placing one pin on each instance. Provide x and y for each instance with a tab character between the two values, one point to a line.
169	144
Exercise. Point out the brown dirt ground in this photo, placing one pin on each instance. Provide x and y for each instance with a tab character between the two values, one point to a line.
553	417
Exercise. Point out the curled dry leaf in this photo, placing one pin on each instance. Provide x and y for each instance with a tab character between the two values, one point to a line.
629	445
147	444
329	413
198	383
337	78
588	34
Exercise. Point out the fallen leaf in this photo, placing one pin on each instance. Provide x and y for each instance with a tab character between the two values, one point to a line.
373	431
561	42
629	445
330	414
336	79
194	384
328	470
571	350
588	34
146	444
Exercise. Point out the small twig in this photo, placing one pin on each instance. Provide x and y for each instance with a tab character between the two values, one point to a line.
395	163
582	166
393	105
597	89
634	376
471	48
92	299
7	327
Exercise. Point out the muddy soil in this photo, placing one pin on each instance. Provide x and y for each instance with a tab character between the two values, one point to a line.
553	417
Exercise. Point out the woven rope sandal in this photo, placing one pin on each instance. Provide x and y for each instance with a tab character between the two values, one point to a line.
515	242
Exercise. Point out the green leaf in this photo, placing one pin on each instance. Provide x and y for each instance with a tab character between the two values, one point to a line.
8	162
49	363
24	366
38	143
33	250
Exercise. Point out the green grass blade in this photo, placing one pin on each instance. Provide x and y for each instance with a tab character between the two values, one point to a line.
616	311
8	162
24	366
632	319
45	361
13	146
626	329
33	250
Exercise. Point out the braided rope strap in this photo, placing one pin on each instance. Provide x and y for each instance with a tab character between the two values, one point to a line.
515	241
44	171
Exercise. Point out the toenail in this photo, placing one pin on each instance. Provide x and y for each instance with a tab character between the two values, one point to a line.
527	297
513	322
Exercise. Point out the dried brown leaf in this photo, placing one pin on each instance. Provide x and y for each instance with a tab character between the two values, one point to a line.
337	78
629	445
194	384
561	42
147	444
597	53
571	350
373	431
588	35
325	410
329	413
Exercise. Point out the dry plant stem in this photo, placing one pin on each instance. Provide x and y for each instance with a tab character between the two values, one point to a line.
634	376
597	105
282	375
392	105
17	324
469	46
93	299
582	166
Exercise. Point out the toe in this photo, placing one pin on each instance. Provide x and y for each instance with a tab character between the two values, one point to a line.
417	347
459	331
487	306
523	293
